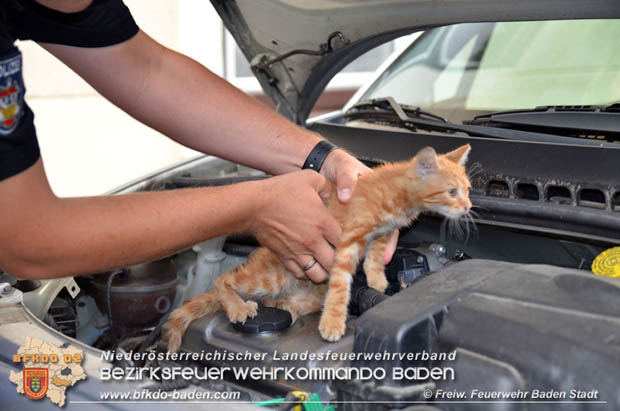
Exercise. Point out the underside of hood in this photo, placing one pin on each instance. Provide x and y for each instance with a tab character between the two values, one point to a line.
296	46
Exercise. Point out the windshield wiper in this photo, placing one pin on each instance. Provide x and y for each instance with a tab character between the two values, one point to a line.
413	118
594	122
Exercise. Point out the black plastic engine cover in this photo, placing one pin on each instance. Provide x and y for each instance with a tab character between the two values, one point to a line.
513	327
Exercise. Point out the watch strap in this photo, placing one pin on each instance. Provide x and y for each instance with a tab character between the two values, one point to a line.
317	156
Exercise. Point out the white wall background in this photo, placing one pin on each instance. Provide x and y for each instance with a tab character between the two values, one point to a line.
90	146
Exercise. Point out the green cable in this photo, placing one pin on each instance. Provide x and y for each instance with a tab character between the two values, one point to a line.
313	403
267	403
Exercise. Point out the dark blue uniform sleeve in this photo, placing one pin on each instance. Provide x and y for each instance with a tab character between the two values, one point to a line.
103	23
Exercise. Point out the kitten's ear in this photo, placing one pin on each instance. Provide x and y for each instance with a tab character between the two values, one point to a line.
459	156
426	162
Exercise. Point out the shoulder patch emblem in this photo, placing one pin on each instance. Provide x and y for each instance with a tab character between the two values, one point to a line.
11	93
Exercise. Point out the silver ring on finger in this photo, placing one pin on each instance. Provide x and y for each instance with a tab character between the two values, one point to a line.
309	265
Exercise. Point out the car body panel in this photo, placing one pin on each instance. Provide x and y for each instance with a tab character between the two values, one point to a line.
296	82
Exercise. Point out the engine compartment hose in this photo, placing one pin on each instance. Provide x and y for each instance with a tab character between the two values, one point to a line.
108	294
364	297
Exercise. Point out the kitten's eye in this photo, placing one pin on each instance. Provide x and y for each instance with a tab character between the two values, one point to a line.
452	192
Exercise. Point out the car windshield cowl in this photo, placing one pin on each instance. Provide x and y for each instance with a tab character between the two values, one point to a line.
600	123
387	109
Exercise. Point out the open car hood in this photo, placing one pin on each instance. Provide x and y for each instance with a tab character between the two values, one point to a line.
296	46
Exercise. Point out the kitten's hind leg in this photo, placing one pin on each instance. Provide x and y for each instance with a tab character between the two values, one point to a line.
333	320
260	276
227	288
373	264
301	302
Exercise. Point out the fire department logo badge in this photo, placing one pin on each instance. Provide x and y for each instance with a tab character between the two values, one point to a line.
36	381
48	372
11	93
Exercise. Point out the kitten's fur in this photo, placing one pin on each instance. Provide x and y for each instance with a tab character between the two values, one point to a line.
388	198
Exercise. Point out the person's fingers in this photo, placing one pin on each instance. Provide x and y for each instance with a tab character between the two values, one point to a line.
316	273
331	232
324	254
321	185
328	226
317	181
390	248
343	169
295	269
297	226
345	184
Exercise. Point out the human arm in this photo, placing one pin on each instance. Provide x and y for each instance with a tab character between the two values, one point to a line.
188	103
43	236
185	101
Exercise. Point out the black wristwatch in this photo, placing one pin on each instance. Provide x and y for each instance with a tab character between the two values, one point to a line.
318	155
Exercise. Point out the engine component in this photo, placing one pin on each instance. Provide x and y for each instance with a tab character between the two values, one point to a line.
138	295
363	297
266	319
44	292
411	263
499	319
607	263
62	316
9	295
209	256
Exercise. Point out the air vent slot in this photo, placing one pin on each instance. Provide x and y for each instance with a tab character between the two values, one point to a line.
594	198
497	188
615	205
527	192
558	195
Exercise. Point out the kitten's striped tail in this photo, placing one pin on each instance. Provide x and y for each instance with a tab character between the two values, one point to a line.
181	318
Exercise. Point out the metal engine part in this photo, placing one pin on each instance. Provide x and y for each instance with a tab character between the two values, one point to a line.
9	295
40	298
138	295
62	315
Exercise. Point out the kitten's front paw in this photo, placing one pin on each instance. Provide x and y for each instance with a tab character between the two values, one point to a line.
240	312
332	329
379	283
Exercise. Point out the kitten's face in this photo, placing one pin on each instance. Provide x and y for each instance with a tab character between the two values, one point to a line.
446	185
453	201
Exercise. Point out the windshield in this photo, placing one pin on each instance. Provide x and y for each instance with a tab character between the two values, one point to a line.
464	70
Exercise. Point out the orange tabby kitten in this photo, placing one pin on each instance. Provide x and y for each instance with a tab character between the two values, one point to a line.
388	198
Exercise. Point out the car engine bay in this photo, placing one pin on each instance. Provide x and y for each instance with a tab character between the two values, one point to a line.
511	304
